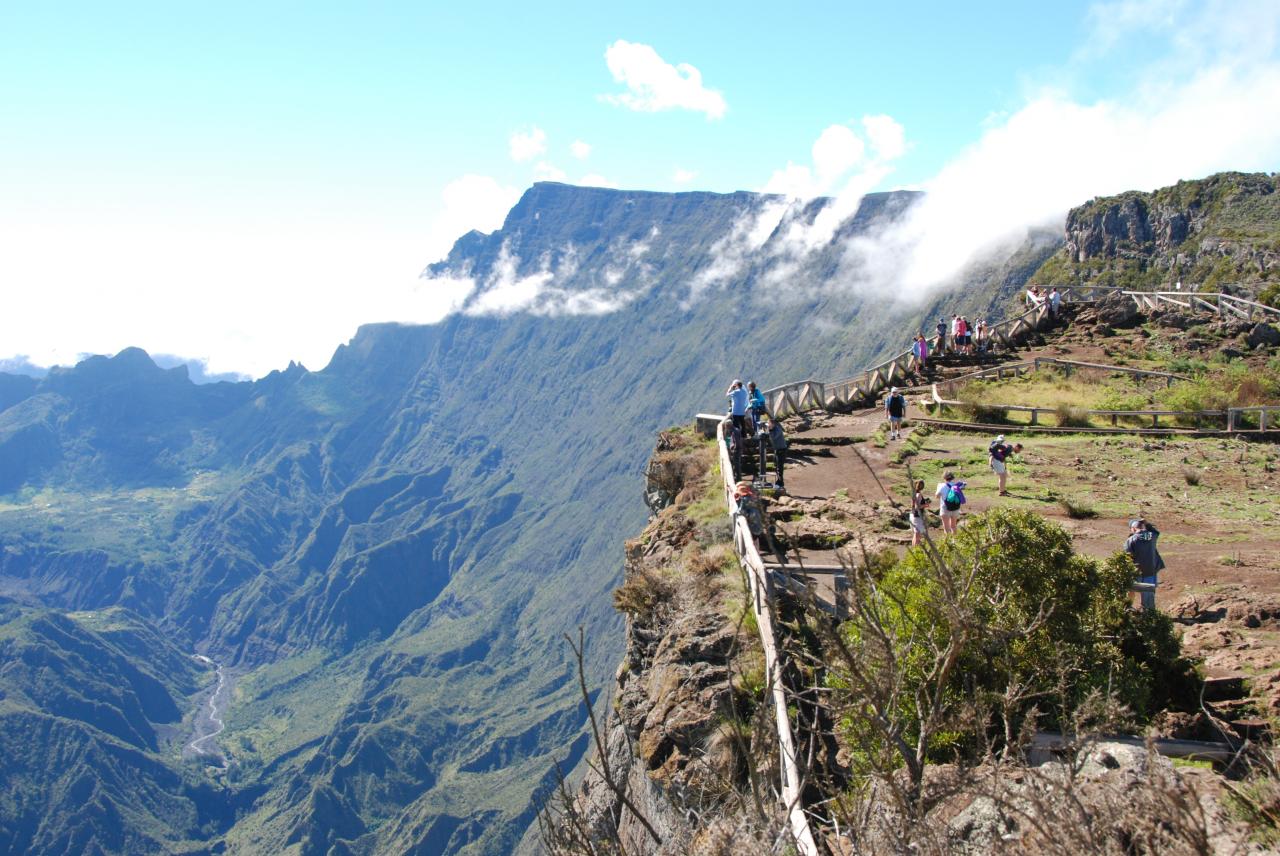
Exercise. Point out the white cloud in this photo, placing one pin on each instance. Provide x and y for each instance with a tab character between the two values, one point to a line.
580	150
528	143
838	150
545	292
1181	120
1113	20
596	180
888	138
654	85
544	171
476	202
683	176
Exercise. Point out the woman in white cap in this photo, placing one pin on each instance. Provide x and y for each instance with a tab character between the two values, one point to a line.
997	455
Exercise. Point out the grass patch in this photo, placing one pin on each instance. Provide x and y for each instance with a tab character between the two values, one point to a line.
1076	509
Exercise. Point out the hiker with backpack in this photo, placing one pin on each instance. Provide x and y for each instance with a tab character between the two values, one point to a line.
950	494
1141	546
895	409
997	457
942	335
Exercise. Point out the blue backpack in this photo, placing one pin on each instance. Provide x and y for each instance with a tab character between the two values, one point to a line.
954	497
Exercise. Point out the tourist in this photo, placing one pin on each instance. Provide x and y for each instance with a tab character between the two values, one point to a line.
982	336
755	400
942	335
919	524
1141	545
738	404
967	334
1033	297
778	441
950	495
1055	302
957	334
895	409
733	439
920	350
997	458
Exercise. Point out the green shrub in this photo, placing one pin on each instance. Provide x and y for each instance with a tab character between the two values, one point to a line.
1029	614
1114	399
1270	295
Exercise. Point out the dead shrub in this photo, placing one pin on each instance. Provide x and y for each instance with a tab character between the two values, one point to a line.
1069	416
643	593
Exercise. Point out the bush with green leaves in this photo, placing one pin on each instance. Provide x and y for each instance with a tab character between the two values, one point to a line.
952	650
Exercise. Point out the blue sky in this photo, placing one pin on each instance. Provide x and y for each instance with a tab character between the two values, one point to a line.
243	182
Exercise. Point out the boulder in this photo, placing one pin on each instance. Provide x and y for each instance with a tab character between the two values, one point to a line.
1116	310
1174	320
1263	335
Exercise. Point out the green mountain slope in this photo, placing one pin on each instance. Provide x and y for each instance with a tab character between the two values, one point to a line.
385	553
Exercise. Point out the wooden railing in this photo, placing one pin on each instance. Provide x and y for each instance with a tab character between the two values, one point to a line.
762	604
861	389
1222	305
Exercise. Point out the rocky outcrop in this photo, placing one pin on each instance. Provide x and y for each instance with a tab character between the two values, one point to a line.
1221	230
681	750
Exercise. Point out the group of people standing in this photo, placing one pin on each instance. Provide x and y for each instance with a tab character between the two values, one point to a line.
749	420
959	336
1038	297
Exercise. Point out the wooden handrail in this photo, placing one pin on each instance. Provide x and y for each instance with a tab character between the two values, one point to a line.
762	604
795	397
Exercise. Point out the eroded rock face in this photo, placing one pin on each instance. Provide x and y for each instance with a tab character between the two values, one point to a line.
683	690
1228	629
1215	229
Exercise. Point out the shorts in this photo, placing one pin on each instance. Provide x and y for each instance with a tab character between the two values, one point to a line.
947	512
918	524
895	420
998	467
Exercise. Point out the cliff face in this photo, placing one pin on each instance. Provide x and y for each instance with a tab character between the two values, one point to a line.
1221	229
689	755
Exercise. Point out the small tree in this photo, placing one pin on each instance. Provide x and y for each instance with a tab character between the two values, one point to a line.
949	652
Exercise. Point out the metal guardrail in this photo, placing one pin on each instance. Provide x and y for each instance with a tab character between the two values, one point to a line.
759	582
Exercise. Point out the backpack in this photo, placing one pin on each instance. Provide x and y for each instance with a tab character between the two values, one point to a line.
897	405
954	497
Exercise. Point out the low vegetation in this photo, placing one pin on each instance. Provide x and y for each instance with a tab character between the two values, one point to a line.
1210	386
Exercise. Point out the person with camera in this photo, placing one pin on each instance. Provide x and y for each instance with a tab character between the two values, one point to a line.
997	456
1141	546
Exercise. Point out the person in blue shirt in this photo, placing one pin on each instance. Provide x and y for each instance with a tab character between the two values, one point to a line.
755	400
738	403
1141	545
